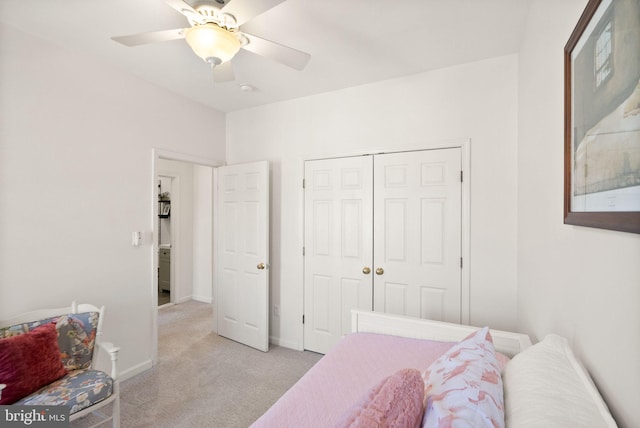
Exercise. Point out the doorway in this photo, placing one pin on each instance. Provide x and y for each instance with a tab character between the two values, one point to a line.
165	236
183	225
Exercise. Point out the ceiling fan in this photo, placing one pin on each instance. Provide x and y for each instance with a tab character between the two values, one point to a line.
215	34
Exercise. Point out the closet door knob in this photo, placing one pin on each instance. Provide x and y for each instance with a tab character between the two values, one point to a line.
366	270
379	271
261	266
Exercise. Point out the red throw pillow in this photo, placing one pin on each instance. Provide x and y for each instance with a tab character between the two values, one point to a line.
28	362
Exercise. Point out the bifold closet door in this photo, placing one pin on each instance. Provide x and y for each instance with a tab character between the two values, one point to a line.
338	247
417	234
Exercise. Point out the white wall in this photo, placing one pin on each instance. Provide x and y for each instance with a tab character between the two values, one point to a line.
476	101
202	236
579	282
76	141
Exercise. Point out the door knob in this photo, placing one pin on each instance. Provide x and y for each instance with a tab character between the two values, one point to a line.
379	271
261	266
366	270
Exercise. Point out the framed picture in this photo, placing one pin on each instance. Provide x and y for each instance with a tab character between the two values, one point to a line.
602	117
166	209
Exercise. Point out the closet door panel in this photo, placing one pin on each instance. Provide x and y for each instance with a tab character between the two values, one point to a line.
417	230
395	229
338	245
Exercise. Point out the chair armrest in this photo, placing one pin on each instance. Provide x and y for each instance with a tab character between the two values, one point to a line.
113	353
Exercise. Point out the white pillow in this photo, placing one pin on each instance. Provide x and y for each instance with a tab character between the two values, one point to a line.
546	386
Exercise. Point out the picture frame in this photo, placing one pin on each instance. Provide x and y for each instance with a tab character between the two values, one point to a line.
602	117
166	209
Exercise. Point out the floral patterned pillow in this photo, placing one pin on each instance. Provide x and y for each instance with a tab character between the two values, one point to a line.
77	338
463	387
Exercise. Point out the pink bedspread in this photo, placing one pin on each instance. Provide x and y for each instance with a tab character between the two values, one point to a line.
340	378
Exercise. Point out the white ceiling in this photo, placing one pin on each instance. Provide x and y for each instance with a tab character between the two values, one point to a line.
351	42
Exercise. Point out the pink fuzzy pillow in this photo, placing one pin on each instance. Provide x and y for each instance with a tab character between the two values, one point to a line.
397	401
29	361
463	387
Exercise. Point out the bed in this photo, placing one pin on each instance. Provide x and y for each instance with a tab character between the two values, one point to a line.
390	368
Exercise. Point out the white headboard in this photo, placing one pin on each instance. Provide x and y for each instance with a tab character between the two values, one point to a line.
377	322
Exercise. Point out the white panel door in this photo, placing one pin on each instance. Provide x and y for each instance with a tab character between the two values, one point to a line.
243	254
417	229
338	247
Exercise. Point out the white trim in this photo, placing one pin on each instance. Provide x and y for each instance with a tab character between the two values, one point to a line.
284	343
299	346
135	370
166	305
203	299
183	299
465	296
508	343
214	251
183	157
429	145
175	287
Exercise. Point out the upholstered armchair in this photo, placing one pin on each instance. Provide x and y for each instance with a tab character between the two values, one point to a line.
48	358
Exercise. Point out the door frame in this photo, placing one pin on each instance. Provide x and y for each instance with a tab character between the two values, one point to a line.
464	144
157	154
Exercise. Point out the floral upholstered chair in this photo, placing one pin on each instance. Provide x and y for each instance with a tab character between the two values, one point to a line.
47	358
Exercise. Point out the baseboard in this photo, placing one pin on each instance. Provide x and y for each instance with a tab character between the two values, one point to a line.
284	343
135	370
202	299
183	299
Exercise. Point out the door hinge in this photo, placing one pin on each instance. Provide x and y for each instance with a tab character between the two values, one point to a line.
302	319
460	262
462	176
303	251
303	183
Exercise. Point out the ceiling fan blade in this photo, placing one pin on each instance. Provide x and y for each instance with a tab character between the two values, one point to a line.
223	72
277	52
244	10
151	37
186	9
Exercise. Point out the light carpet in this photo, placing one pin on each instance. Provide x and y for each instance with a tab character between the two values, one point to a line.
205	380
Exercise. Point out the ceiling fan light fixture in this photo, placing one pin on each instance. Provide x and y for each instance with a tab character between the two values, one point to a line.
212	43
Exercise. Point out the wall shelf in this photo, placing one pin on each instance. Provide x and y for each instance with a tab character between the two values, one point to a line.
164	209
